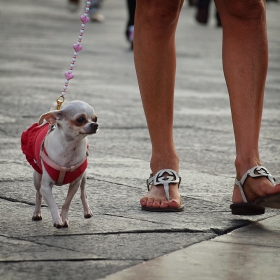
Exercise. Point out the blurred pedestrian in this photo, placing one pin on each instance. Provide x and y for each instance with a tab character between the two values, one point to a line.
203	10
94	9
129	32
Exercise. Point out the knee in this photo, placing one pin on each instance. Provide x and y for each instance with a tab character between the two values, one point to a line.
245	9
160	14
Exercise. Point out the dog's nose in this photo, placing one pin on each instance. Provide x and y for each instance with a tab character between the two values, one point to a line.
94	126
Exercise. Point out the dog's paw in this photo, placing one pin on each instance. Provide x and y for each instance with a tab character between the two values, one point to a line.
58	225
88	214
37	217
66	224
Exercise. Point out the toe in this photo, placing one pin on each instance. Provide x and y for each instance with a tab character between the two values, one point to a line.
157	203
164	203
143	201
174	203
150	202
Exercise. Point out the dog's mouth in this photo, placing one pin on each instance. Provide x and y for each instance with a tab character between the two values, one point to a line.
91	129
92	132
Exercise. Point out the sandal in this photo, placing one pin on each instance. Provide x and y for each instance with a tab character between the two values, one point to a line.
258	206
159	179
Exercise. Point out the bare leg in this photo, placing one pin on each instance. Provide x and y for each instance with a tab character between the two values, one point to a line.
245	59
155	61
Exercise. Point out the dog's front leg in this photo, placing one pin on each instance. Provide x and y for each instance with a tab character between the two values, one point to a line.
46	191
73	188
37	178
87	212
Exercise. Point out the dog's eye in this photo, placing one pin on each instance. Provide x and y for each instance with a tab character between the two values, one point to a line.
81	120
94	119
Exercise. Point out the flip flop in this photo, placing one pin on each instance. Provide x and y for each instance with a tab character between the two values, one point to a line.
159	179
258	206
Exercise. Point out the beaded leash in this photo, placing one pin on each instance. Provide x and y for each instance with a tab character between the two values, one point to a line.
77	47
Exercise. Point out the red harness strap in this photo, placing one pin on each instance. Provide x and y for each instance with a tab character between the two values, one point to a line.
60	174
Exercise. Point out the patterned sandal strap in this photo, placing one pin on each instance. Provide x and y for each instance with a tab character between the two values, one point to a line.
159	179
255	172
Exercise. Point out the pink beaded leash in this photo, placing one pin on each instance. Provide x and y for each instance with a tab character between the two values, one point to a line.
77	47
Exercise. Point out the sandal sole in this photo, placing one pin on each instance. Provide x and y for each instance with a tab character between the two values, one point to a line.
246	209
151	209
257	207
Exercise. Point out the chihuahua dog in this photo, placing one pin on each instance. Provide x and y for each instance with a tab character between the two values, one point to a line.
57	148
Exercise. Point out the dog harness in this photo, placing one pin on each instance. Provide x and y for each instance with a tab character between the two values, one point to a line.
32	145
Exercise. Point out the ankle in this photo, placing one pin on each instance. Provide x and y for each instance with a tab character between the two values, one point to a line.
164	161
242	165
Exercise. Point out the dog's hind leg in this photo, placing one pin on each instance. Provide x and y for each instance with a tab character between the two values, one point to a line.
72	190
87	212
37	178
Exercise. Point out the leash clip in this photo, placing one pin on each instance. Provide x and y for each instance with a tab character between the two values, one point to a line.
59	102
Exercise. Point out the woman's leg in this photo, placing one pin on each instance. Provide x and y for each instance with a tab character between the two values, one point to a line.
245	60
155	62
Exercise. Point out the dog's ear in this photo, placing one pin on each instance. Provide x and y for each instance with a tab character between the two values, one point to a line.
51	117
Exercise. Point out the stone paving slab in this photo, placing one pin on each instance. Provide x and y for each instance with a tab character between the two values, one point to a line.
251	252
15	250
61	270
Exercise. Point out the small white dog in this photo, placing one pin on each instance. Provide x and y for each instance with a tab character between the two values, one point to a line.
57	149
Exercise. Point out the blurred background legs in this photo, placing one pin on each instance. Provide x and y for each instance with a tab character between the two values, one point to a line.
94	9
129	31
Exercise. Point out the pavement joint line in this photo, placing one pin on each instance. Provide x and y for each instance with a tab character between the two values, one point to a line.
220	232
55	260
20	201
72	260
115	183
10	180
38	243
174	230
137	219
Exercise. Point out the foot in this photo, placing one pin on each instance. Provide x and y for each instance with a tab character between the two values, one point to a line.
254	188
163	190
156	197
